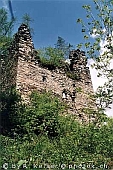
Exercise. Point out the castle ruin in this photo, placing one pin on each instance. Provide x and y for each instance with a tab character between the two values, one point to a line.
22	71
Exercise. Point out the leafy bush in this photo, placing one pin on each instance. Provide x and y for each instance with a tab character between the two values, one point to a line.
10	104
51	138
41	116
77	144
50	57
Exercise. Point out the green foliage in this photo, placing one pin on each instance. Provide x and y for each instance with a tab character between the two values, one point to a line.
43	135
10	103
6	27
26	19
100	28
41	117
77	144
51	57
79	89
105	95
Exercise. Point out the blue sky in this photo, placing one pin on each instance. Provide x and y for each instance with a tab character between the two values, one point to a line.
52	18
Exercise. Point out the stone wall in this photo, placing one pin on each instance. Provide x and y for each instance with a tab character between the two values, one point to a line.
22	46
31	76
8	72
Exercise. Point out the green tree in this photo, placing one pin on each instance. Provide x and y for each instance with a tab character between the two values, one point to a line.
26	19
6	28
10	104
8	97
100	27
51	57
40	117
63	46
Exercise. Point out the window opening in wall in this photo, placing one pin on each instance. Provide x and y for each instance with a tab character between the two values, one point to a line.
73	96
74	85
87	82
80	115
44	78
64	94
71	66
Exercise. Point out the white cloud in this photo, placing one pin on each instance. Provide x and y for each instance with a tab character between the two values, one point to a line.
96	81
109	112
95	33
103	45
99	81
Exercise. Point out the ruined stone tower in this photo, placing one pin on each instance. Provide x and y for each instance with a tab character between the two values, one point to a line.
29	75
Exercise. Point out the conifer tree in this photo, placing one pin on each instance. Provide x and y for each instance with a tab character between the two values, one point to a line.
63	46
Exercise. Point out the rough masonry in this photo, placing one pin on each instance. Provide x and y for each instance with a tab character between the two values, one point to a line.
28	75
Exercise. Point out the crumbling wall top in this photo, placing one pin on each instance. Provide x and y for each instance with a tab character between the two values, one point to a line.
77	56
22	44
